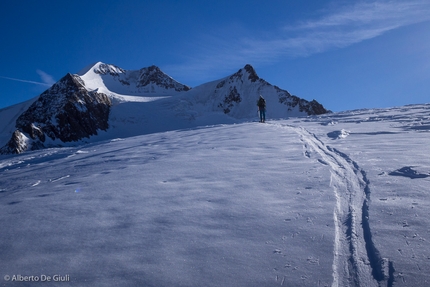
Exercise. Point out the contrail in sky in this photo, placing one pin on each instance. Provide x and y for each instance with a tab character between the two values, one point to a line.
26	81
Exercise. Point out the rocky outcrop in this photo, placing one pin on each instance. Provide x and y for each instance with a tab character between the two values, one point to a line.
291	101
153	75
252	75
17	144
230	99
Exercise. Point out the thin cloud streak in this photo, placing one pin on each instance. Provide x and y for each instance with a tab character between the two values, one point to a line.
382	12
26	81
342	28
46	78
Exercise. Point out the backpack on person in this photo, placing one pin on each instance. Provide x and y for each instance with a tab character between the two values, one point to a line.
261	103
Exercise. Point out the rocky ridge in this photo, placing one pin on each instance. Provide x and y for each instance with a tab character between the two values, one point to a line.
145	80
236	96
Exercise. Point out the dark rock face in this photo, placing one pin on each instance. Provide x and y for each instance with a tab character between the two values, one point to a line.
230	99
154	75
311	108
66	111
17	144
252	74
316	108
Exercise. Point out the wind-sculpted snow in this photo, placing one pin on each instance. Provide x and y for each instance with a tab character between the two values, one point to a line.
178	208
248	204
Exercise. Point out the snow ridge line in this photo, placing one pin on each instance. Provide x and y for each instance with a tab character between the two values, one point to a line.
357	262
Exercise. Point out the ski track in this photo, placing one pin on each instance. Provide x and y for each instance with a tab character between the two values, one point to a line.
357	261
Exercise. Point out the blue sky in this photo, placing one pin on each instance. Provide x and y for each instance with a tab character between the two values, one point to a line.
345	54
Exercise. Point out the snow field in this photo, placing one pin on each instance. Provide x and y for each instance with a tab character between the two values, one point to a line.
279	204
222	206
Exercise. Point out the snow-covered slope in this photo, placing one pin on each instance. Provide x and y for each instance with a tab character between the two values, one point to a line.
104	101
331	200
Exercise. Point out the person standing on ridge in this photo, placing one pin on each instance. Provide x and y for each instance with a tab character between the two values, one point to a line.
261	103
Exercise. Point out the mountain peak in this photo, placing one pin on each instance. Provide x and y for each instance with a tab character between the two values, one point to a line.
65	112
154	68
252	74
101	69
236	96
247	72
104	69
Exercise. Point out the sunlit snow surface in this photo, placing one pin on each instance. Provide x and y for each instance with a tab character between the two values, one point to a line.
335	200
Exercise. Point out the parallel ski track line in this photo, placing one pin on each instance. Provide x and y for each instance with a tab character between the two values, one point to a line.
357	261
